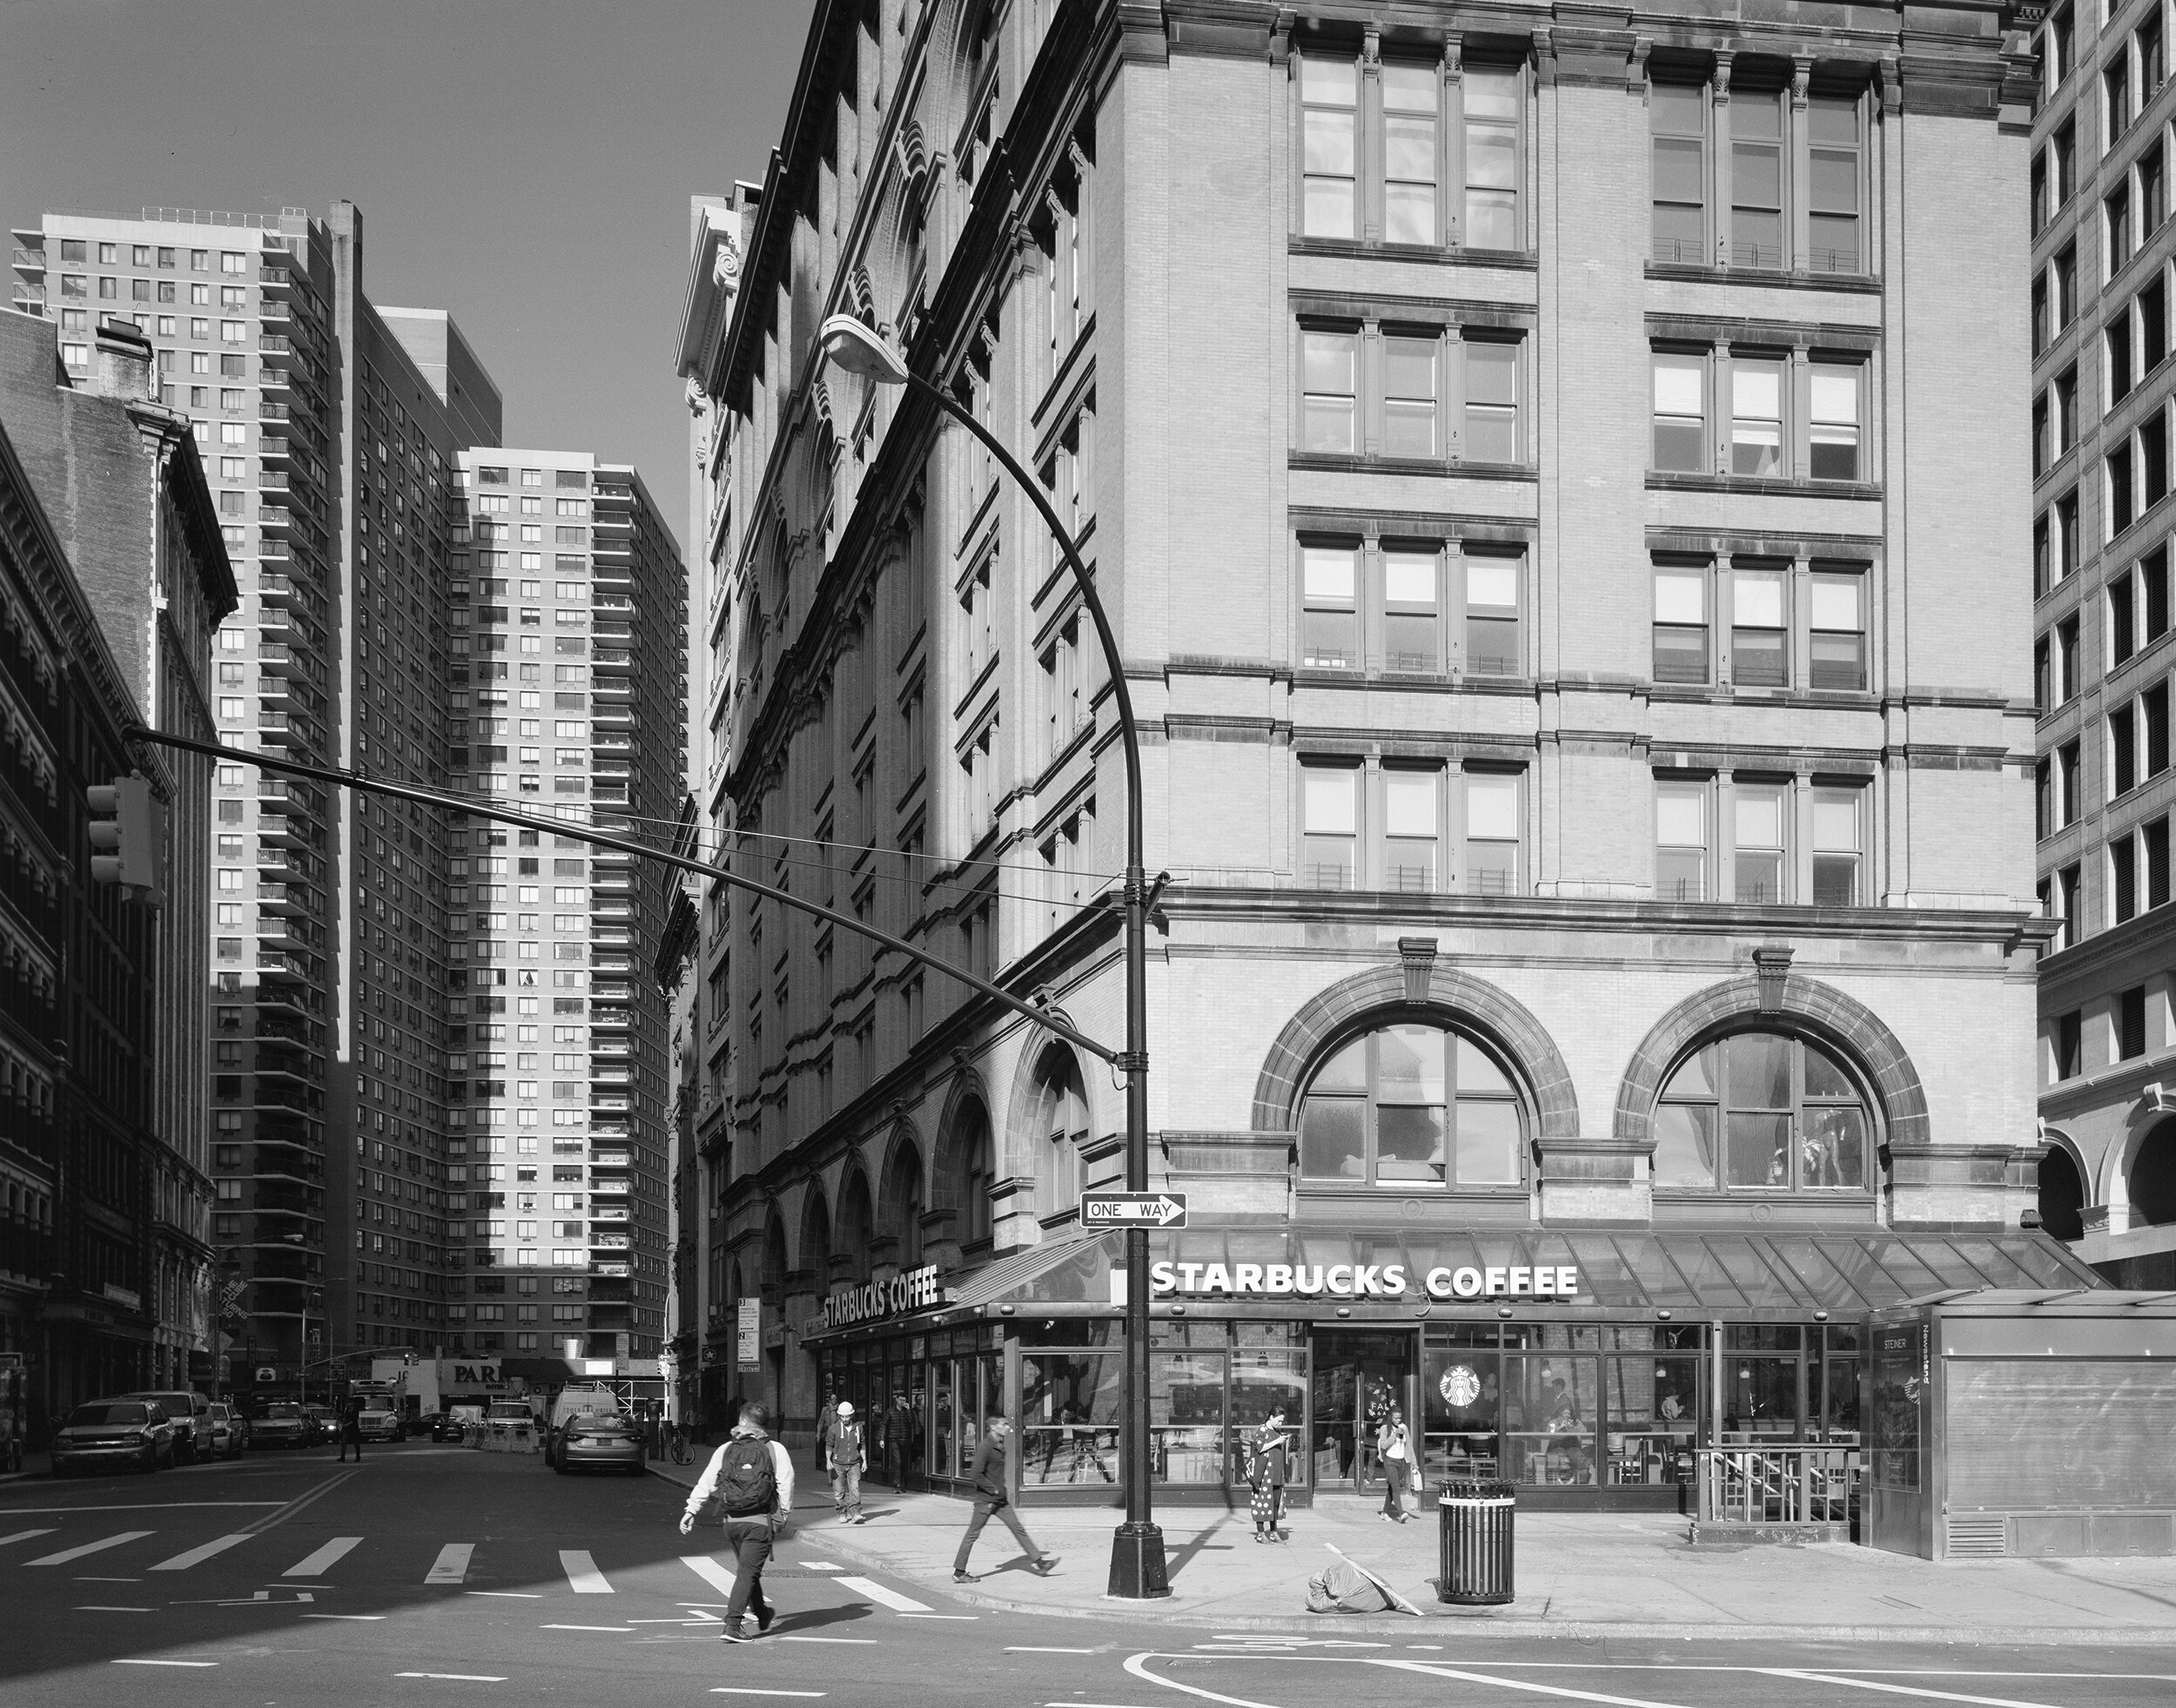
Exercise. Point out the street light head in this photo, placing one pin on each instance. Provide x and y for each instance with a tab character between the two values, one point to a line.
854	346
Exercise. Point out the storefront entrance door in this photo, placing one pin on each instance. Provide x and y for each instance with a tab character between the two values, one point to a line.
1359	1376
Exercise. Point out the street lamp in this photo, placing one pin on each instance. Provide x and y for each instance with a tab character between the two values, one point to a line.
1137	1554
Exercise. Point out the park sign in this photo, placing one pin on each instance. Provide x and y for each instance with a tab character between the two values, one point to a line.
908	1291
1363	1280
1133	1209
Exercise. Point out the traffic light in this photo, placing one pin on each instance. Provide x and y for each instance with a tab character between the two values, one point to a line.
128	837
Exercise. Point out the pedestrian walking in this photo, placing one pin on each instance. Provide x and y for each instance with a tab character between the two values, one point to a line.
1395	1447
827	1425
1268	1468
750	1479
351	1429
848	1452
991	1495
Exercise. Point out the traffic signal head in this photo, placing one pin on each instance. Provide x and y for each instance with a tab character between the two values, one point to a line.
128	837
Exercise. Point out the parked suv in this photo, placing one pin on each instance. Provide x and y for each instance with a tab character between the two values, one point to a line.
190	1415
129	1431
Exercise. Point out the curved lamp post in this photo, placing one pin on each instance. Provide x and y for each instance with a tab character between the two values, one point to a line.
1137	1556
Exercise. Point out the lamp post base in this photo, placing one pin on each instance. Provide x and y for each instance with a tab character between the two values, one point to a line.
1136	1564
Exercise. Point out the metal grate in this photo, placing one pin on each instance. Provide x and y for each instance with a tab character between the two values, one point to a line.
1983	1535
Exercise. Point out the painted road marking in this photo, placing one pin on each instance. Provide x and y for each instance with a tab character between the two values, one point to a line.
125	1661
364	1619
1434	1670
883	1598
940	1616
730	1689
24	1536
822	1565
458	1678
182	1561
1053	1651
317	1565
68	1554
624	1630
509	1594
582	1576
709	1571
451	1565
837	1639
1898	1690
93	1607
139	1506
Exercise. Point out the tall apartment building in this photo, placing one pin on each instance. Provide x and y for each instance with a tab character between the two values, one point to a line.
329	434
1554	482
569	613
2101	384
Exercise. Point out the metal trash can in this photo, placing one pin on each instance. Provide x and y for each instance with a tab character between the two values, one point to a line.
1477	1551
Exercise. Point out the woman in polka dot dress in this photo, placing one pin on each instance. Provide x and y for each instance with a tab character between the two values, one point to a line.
1269	1464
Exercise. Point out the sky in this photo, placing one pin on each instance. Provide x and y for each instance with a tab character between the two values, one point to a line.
524	165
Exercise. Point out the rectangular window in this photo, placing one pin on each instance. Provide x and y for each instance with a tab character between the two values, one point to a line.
2153	713
1492	615
2123	880
2117	335
1329	826
1411	95
1680	413
2065	396
2069	800
2122	751
1837	839
2115	214
1329	407
2066	659
2121	624
2115	87
1833	216
2069	1040
2153	461
1677	115
1756	416
1681	623
2066	147
2131	1023
1759	636
1410	390
2155	838
1412	814
1757	178
1835	412
1413	626
2065	285
1329	116
1494	98
1492	834
1837	637
1492	401
2122	494
2153	575
1330	617
1757	841
2153	191
1680	841
2152	67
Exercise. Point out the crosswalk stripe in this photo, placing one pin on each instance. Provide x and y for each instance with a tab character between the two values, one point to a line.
878	1593
451	1565
323	1560
182	1561
582	1576
68	1554
24	1536
709	1571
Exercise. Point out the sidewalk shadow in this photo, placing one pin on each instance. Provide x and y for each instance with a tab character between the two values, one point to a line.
1179	1561
816	1617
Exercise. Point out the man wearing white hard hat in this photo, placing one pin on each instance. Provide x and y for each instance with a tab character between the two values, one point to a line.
846	1447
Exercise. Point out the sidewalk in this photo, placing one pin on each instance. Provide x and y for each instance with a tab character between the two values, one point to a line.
1580	1575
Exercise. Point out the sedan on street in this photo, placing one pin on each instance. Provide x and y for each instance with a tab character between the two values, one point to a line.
589	1442
228	1429
114	1432
283	1424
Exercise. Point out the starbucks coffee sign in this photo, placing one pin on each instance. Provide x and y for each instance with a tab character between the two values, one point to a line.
907	1292
1363	1280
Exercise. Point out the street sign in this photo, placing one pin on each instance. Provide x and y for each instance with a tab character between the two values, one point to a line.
1133	1209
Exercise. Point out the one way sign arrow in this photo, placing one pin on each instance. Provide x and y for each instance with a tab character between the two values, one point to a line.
1133	1209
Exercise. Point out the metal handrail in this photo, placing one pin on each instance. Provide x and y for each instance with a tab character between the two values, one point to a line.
1786	1483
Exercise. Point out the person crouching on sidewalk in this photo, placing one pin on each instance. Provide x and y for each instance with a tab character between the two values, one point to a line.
991	1484
848	1451
750	1478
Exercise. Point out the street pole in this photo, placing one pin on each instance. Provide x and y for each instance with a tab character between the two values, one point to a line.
1137	1570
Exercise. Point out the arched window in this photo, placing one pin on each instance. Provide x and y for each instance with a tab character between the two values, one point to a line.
977	1173
1760	1109
1057	1127
2062	1195
815	1239
2152	1177
1414	1103
903	1202
858	1226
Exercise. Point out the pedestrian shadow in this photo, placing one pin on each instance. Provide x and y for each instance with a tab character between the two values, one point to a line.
1175	1562
816	1617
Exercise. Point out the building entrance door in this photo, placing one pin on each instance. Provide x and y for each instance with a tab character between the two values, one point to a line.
1359	1376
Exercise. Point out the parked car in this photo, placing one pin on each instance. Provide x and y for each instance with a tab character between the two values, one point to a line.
228	1429
324	1419
130	1431
190	1415
284	1423
379	1423
594	1442
443	1425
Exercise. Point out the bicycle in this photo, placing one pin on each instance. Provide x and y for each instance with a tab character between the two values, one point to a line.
683	1452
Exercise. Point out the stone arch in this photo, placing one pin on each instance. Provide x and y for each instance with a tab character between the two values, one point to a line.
2140	1172
813	1250
1419	985
903	1195
2062	1181
777	1258
855	1231
1050	1074
1794	1003
966	1159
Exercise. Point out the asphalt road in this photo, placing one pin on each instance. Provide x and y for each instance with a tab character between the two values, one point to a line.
448	1578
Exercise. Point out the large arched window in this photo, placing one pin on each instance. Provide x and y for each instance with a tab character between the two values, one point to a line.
858	1226
972	1157
1057	1127
1760	1109
2151	1179
1412	1104
2062	1195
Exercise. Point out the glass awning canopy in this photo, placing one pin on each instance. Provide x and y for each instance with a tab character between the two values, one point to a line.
1795	1272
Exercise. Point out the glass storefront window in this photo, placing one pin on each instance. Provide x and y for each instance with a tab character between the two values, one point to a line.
943	1423
1461	1403
1550	1418
1839	1409
1653	1401
1071	1406
1186	1416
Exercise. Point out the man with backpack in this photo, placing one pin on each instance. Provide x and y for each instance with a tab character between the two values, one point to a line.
750	1478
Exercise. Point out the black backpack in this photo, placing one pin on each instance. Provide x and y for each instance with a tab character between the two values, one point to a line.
748	1485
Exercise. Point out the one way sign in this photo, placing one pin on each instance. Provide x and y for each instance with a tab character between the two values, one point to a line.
1133	1209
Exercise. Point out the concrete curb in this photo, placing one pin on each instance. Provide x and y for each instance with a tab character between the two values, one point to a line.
1508	1625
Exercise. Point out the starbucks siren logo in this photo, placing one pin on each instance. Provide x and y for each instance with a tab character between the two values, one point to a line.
1460	1386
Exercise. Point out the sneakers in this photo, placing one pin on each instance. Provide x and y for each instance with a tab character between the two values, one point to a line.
966	1577
763	1619
1045	1566
734	1634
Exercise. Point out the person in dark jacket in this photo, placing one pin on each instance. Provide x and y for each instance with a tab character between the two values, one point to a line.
991	1484
351	1429
1268	1469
